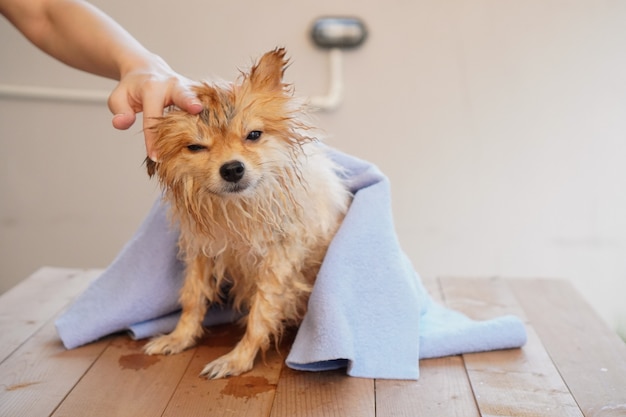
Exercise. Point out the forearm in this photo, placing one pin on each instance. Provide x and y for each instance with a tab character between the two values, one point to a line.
79	35
85	38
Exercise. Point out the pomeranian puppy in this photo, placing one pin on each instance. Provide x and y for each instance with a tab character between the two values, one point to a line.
257	201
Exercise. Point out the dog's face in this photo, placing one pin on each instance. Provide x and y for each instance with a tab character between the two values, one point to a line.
245	135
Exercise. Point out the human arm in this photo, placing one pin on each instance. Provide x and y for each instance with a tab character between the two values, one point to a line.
82	36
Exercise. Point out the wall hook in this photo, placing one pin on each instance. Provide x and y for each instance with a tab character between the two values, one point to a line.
335	34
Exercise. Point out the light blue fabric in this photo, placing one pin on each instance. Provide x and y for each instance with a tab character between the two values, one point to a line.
368	311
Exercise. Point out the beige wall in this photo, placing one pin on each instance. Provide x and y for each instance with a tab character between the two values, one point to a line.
500	123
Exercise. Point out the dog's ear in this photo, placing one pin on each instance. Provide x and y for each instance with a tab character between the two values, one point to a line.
150	166
267	74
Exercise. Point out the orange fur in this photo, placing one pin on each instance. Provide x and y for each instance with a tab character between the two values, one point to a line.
257	202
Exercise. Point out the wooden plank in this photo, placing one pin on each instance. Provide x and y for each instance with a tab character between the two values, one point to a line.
589	355
480	298
520	382
320	394
125	382
515	382
250	394
443	389
25	308
36	377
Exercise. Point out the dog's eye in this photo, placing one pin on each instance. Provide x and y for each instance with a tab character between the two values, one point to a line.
254	135
194	147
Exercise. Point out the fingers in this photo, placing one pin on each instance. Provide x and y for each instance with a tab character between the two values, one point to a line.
185	99
150	95
153	106
123	113
123	121
177	92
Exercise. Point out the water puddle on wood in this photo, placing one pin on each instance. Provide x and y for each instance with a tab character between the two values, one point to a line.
247	386
137	361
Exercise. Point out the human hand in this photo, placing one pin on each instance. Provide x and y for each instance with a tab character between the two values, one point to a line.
149	89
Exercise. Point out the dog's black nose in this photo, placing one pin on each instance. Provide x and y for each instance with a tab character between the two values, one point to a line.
232	171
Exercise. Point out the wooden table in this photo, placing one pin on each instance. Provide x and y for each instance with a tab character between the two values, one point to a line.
573	365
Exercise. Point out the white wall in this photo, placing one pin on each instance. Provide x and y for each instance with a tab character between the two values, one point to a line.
501	125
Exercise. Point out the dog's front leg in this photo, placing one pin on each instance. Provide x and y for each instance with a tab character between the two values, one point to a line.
194	306
264	319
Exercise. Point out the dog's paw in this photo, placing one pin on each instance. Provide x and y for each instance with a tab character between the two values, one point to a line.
230	364
167	345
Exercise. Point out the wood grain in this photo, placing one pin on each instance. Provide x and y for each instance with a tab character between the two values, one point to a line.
25	308
571	359
38	376
515	382
443	390
250	395
124	381
321	394
588	354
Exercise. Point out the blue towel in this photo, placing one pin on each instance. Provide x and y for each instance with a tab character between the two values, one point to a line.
368	311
